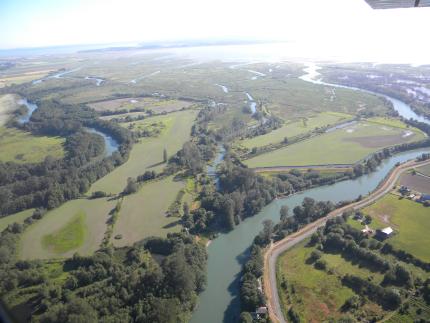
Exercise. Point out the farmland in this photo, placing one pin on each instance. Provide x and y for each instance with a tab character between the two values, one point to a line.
411	221
23	147
416	182
47	238
342	146
424	170
148	153
143	214
294	128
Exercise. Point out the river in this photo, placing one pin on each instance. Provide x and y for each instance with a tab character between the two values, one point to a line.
111	145
228	252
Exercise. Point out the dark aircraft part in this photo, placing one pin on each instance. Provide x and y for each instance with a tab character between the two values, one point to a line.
392	4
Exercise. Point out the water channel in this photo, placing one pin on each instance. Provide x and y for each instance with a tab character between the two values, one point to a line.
111	145
228	252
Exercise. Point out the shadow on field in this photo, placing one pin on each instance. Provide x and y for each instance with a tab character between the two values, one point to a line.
172	224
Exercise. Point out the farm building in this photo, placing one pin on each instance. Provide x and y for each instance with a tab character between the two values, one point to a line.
424	198
384	233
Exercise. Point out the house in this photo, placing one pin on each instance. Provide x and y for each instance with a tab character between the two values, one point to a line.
385	233
261	312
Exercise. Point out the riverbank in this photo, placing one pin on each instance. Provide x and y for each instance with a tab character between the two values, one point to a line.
275	250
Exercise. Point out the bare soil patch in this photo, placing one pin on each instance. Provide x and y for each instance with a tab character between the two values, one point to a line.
416	182
379	141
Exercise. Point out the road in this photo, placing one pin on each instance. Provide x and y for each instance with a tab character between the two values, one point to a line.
272	253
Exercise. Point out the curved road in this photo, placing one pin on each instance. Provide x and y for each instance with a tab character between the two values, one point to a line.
272	253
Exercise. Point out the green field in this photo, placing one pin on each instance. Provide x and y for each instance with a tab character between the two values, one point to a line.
148	153
342	146
411	221
17	217
56	224
22	147
294	128
68	237
318	296
143	214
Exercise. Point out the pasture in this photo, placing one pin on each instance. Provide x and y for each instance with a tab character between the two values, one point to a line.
294	128
48	237
147	154
23	147
143	214
410	220
342	146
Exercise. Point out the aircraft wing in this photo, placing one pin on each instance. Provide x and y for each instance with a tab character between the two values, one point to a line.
392	4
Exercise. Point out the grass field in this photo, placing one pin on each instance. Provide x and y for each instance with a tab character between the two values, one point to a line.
17	217
294	128
143	213
47	238
318	296
148	153
342	146
68	237
411	221
22	147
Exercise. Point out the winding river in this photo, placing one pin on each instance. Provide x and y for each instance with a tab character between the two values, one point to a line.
227	253
111	145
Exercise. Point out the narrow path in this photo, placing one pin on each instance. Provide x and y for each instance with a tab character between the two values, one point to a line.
272	253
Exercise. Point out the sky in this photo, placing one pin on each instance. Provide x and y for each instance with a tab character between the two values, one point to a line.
339	27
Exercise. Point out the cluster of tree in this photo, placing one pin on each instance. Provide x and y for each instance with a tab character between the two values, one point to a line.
271	123
389	298
251	296
241	193
405	256
123	285
54	181
309	211
120	111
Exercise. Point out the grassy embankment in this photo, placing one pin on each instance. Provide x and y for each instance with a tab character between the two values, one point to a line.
343	146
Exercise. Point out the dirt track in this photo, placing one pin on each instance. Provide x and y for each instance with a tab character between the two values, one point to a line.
272	253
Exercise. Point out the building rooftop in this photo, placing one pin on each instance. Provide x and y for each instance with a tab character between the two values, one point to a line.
387	230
